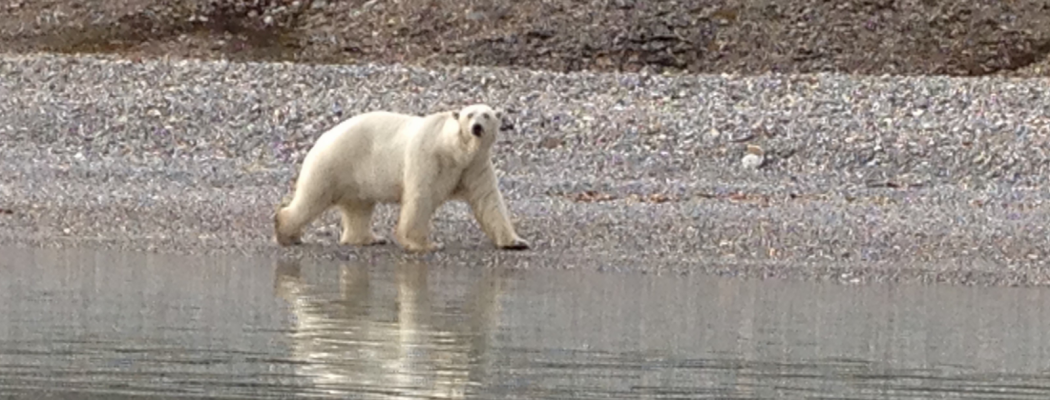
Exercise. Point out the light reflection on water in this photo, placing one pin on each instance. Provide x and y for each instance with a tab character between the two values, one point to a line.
133	325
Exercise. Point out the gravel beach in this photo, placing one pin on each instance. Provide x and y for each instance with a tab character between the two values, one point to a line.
911	37
860	178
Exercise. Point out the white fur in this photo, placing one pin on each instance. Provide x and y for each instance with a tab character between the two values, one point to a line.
418	162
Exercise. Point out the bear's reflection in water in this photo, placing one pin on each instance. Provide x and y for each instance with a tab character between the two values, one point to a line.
350	341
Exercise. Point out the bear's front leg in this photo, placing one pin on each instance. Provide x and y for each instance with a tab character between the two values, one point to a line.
481	190
413	224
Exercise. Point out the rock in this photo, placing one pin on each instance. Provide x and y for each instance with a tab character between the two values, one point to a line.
754	149
551	142
754	158
752	161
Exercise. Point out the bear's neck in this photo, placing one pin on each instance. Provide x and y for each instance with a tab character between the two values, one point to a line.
465	152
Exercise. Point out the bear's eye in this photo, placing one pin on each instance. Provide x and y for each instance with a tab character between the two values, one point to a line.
478	130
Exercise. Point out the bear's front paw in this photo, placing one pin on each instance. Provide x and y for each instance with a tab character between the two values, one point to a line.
516	244
373	240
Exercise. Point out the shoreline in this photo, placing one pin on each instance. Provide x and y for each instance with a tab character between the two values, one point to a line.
600	171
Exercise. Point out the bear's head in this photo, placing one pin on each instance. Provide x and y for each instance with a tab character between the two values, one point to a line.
478	123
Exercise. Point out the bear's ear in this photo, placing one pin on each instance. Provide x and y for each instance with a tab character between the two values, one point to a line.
455	115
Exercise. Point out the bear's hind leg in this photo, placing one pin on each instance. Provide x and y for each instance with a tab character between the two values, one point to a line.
305	208
357	224
281	233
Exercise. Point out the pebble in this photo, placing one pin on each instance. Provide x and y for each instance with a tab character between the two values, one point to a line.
752	161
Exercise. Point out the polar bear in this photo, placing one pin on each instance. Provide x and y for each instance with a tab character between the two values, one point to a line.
419	162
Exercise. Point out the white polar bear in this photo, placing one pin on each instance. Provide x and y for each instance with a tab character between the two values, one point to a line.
418	162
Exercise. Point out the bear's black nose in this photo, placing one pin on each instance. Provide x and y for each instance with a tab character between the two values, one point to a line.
478	130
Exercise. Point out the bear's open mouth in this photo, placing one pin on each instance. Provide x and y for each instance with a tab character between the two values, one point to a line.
478	130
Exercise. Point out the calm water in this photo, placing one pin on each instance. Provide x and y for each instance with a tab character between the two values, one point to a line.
83	324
